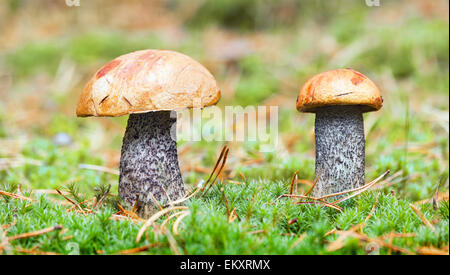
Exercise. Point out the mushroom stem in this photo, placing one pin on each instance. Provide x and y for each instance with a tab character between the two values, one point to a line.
149	168
340	149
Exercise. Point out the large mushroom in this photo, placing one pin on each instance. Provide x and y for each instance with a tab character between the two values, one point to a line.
339	98
148	85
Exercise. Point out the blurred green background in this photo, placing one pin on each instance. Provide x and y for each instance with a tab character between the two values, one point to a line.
261	52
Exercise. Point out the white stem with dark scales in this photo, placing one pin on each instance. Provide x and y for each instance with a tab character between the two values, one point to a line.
149	168
340	149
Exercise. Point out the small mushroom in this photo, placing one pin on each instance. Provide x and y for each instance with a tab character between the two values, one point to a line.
339	98
149	85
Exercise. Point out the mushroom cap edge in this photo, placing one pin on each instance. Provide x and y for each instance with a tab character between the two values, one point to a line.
339	87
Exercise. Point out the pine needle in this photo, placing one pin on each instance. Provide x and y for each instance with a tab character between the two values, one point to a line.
427	250
35	233
137	249
6	226
360	189
294	178
225	201
224	160
178	221
422	217
154	218
215	166
98	168
312	186
163	224
185	198
15	196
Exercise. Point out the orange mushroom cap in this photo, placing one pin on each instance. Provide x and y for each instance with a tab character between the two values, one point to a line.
148	80
339	87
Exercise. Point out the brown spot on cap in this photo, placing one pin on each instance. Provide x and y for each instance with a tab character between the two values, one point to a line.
358	78
309	93
108	67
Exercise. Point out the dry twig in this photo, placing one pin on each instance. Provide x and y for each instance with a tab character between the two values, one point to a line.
422	217
15	196
178	221
154	218
35	233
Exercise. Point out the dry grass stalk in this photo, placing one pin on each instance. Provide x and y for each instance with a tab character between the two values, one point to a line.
357	191
34	251
116	217
79	204
393	234
99	203
15	196
178	221
257	231
294	178
196	168
224	160
155	217
298	241
163	224
186	198
6	226
436	198
49	191
137	249
333	205
98	168
6	163
305	182
167	195
387	182
339	243
173	244
64	196
315	200
422	217
66	238
135	206
360	189
35	233
235	182
129	214
312	186
156	201
242	177
322	203
372	211
332	231
215	166
225	201
429	250
233	216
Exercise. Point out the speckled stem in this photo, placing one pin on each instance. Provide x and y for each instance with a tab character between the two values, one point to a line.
340	149
149	162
